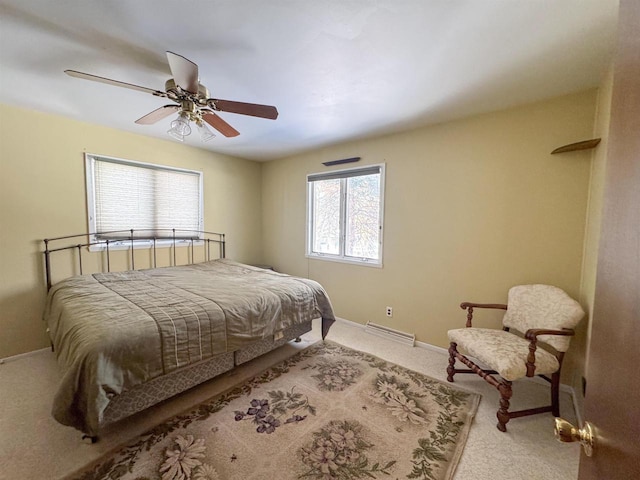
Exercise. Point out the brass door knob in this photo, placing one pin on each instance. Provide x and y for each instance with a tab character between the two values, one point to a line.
566	432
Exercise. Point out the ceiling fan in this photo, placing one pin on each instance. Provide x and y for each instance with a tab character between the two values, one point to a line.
193	103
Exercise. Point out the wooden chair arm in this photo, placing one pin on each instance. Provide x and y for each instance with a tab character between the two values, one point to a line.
532	336
469	306
533	333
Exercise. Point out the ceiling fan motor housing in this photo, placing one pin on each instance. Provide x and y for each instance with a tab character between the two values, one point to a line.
174	92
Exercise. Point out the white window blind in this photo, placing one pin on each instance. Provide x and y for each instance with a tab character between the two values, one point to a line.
126	195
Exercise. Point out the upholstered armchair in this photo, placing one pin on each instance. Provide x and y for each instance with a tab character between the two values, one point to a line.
537	329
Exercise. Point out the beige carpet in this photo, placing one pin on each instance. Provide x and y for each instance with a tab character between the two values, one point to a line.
328	412
34	447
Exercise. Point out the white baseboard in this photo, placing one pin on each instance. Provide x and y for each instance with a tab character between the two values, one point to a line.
22	355
350	322
433	348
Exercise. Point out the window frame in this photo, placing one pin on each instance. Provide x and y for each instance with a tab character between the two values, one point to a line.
100	243
343	174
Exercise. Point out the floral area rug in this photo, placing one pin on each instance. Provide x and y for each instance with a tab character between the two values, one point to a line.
328	412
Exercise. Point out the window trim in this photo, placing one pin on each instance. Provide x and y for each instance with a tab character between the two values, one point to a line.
339	174
90	159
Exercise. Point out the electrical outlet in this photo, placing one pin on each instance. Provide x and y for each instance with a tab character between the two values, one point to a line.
389	311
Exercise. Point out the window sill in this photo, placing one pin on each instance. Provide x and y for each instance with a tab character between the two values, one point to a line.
115	245
329	258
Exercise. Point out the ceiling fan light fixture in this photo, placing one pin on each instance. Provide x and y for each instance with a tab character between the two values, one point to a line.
180	127
174	134
205	133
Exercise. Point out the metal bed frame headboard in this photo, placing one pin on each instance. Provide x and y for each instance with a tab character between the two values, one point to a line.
127	239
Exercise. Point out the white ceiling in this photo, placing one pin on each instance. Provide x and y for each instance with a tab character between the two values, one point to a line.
335	69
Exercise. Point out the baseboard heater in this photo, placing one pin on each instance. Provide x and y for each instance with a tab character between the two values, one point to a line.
390	333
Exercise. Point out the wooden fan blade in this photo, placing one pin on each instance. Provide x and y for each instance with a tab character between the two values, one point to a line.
219	124
184	71
253	109
158	114
116	83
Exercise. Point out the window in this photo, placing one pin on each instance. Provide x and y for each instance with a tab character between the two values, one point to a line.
153	199
344	215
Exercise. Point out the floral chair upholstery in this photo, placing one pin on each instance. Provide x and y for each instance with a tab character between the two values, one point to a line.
545	316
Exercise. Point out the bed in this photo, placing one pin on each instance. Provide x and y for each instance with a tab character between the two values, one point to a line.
126	340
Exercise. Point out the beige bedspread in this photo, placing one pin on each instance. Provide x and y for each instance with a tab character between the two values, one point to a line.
115	330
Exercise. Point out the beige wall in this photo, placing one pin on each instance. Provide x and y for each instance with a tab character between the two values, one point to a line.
42	194
592	230
472	207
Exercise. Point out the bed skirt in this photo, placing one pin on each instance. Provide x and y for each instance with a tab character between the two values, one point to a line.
143	396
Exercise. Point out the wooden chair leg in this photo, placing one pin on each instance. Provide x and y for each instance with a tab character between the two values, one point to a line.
503	412
555	394
451	370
